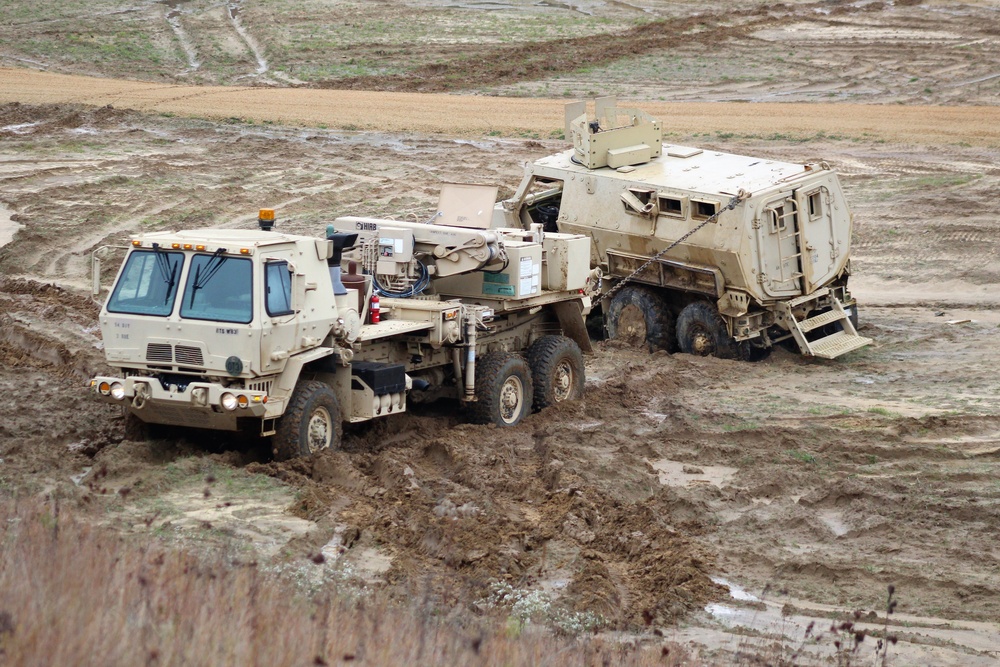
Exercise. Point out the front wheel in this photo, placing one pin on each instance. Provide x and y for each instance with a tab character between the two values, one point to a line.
503	389
557	368
311	423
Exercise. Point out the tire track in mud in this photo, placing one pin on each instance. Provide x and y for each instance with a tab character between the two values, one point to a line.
173	18
233	13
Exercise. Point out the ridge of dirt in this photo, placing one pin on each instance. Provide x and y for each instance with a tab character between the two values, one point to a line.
468	69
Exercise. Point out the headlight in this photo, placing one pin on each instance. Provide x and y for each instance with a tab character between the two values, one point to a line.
243	401
229	401
117	391
104	388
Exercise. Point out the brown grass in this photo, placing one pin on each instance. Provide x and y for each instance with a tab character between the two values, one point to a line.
75	594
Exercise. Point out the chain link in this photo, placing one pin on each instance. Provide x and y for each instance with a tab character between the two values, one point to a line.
742	195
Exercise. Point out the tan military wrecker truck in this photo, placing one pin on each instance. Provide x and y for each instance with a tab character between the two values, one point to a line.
274	333
702	251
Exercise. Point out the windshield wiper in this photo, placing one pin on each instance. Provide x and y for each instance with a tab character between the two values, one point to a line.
168	271
200	280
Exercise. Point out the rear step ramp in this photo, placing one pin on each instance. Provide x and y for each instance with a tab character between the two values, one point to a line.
830	346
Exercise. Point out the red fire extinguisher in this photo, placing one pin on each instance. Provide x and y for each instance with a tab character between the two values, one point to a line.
374	314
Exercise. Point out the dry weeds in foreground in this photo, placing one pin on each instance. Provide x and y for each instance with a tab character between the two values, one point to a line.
75	594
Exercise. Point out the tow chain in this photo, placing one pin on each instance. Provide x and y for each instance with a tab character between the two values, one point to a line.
741	196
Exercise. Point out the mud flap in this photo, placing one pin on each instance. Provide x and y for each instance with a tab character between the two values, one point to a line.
574	326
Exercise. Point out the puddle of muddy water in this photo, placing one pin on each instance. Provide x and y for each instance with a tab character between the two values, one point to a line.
921	639
8	228
676	473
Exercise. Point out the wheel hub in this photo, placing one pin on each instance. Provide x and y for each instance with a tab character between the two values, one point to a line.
511	397
632	325
702	343
562	381
320	430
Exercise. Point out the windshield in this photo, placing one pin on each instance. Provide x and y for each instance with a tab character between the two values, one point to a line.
148	283
219	288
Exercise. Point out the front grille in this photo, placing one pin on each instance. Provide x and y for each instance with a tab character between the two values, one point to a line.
184	355
189	356
159	352
260	385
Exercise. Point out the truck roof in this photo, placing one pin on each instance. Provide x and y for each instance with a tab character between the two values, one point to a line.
246	237
692	170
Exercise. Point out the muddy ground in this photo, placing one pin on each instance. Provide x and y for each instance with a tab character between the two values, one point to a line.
680	488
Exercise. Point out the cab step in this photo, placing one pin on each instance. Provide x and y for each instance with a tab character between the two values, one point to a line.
830	346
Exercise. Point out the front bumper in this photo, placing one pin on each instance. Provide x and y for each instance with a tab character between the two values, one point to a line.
198	405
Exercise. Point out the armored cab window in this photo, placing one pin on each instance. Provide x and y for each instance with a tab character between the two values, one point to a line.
640	201
278	288
219	288
701	210
148	283
815	205
672	206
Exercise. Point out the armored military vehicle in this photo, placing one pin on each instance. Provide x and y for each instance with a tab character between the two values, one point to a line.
702	251
277	334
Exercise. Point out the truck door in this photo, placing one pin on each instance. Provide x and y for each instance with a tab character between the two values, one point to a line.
818	240
778	254
279	321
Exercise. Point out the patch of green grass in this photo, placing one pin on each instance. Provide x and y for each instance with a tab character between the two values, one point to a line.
801	456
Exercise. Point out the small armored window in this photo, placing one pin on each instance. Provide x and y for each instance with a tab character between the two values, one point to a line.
278	286
639	201
815	205
777	216
671	206
700	210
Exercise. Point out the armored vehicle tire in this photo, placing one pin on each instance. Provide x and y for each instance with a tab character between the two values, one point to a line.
557	370
637	315
503	389
702	331
311	423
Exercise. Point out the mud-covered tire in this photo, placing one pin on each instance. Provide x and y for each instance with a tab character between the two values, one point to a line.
639	316
557	370
311	423
702	331
504	390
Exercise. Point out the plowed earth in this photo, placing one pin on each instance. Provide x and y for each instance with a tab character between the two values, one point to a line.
679	483
825	480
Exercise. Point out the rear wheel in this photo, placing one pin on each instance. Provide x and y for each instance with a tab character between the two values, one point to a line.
701	330
503	389
638	316
311	423
557	369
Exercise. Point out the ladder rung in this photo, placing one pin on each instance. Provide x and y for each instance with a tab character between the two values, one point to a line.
809	297
837	344
820	320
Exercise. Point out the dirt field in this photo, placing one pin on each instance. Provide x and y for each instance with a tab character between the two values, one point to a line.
677	477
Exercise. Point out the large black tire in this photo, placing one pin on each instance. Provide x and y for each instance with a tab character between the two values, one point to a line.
557	370
311	423
503	389
639	316
702	331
